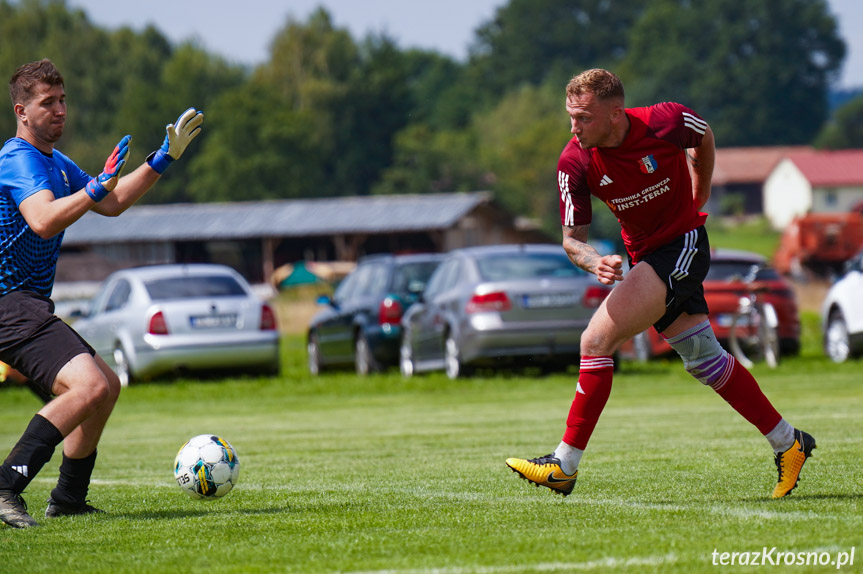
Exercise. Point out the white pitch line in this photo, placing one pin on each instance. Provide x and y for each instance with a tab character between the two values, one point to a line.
601	564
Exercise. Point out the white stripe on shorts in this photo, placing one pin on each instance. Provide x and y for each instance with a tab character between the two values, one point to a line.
684	260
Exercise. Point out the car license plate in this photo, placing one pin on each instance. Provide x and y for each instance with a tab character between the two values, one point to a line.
549	300
724	319
211	321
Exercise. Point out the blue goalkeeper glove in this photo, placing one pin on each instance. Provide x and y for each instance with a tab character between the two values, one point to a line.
180	134
96	188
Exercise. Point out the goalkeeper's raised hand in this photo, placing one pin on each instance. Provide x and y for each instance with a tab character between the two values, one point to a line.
180	134
104	183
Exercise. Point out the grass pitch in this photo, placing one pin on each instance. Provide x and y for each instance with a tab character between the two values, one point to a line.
386	475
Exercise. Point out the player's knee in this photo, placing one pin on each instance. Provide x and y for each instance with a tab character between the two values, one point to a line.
114	386
98	391
703	356
594	344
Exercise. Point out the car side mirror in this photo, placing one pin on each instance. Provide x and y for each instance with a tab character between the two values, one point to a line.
326	300
415	290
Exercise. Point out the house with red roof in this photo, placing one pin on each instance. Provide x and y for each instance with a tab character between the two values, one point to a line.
813	181
739	176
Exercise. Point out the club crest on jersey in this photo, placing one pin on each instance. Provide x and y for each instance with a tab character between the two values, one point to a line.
647	164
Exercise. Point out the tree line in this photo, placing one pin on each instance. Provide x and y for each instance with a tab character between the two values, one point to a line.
332	115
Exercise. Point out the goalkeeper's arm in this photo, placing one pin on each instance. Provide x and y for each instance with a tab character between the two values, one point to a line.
133	186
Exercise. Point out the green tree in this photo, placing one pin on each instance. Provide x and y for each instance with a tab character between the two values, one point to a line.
758	71
374	107
189	77
845	128
533	41
310	62
520	141
358	94
439	96
434	161
269	151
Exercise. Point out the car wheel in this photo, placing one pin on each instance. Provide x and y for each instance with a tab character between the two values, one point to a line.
363	358
406	356
641	345
273	368
454	366
789	347
313	353
121	366
836	342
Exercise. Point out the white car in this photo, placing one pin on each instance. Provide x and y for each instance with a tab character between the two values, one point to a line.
154	320
842	313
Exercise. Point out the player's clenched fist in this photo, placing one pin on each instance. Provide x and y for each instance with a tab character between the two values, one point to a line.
610	269
180	134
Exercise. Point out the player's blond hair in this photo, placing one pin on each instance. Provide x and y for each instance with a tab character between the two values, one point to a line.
601	83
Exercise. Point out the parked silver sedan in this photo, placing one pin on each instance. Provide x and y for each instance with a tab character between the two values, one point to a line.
154	320
500	306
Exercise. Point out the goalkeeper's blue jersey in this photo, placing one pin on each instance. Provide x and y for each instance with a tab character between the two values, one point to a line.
28	262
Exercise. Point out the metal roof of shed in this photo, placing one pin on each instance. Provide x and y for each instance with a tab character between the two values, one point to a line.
282	218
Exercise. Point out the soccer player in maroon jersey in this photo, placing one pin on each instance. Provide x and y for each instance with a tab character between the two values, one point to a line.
652	167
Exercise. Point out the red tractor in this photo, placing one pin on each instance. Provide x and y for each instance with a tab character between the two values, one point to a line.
819	243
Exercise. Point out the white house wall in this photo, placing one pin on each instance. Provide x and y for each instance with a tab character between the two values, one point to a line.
787	193
836	198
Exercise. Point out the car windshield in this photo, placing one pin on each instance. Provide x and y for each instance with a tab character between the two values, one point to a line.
526	265
192	287
412	277
738	271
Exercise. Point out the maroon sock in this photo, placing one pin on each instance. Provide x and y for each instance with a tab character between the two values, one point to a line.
744	395
591	394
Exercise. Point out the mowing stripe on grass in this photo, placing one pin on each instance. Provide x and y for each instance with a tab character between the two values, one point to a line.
432	494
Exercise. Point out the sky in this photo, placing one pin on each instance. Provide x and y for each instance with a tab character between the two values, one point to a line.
243	36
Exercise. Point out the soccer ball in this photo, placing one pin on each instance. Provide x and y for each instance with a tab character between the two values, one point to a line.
206	467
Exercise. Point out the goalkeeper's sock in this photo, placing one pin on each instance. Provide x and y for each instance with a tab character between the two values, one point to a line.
30	454
74	481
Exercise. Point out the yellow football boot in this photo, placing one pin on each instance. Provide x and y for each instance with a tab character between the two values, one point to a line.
544	471
790	462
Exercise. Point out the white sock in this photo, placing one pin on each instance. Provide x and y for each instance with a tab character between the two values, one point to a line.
781	438
569	457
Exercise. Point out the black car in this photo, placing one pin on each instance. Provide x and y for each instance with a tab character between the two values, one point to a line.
361	324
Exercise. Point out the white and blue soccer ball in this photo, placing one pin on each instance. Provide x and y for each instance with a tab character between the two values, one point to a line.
207	467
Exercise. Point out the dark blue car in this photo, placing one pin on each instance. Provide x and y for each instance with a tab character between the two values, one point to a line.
360	325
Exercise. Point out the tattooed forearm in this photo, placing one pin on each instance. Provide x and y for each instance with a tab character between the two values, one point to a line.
579	251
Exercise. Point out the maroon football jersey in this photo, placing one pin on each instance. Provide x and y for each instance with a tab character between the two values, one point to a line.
645	181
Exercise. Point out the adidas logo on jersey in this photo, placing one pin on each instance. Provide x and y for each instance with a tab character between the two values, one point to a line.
604	181
22	470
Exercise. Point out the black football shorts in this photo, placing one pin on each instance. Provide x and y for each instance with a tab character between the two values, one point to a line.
682	265
35	341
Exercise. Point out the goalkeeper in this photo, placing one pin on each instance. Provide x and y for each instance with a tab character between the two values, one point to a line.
42	192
